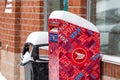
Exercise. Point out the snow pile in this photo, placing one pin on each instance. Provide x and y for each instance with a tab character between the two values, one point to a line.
111	59
74	19
2	77
37	38
26	58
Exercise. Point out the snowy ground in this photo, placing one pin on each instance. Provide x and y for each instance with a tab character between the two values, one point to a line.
2	77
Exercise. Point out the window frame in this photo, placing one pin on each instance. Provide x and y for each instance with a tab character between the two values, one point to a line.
91	14
65	7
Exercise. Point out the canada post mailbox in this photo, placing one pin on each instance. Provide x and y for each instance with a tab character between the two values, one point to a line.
74	48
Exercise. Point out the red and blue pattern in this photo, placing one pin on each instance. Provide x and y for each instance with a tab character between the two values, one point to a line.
74	52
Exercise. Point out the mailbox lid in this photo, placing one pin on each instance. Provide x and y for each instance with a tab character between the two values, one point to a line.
74	19
37	38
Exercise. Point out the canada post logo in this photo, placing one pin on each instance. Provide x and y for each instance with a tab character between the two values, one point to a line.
79	55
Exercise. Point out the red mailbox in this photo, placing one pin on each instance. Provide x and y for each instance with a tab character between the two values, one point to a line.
74	48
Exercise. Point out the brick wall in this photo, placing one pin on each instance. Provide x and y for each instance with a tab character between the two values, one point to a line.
26	17
7	25
32	17
9	37
78	7
110	70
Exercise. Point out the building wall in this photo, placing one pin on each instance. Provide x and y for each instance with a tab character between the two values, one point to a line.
32	17
9	33
110	71
28	16
78	7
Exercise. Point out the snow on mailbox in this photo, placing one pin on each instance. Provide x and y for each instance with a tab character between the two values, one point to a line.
74	48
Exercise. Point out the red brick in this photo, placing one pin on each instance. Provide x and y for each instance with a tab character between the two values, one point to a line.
78	10
27	3
77	2
41	3
41	16
111	70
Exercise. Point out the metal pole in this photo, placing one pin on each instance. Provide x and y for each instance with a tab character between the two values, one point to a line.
45	15
89	3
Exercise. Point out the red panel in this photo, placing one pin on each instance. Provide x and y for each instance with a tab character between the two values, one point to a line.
73	52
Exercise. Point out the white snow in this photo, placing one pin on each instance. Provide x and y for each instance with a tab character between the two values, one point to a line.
9	0
111	59
26	58
2	77
54	30
8	10
8	5
37	38
74	19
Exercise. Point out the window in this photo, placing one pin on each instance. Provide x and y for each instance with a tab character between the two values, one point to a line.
51	5
108	23
8	6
